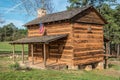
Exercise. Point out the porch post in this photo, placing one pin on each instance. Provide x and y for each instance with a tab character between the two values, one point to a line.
44	47
106	56
22	53
32	53
14	52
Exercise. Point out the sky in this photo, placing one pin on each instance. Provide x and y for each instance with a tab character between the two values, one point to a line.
10	12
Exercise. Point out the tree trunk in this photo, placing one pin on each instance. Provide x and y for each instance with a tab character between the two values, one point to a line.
118	50
109	52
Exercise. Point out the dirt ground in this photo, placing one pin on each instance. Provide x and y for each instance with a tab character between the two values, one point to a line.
113	70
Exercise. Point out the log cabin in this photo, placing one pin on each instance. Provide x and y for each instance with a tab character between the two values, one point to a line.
73	37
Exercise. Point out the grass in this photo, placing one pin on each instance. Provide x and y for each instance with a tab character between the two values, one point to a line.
116	67
51	75
8	74
5	47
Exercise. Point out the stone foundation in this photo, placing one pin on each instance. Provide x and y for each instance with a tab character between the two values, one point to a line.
73	67
88	67
100	66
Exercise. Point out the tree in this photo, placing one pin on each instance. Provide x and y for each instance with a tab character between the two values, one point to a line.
10	32
31	6
1	34
117	29
95	3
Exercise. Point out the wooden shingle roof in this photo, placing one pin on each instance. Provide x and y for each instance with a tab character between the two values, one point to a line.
40	39
64	15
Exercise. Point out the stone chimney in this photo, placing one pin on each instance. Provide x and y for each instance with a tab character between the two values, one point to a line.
41	12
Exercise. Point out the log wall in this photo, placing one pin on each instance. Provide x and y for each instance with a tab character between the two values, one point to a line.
81	46
34	31
60	50
88	46
38	51
90	16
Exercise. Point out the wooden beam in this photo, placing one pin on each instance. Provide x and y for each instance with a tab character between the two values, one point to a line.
32	52
14	52
106	57
22	53
107	48
44	47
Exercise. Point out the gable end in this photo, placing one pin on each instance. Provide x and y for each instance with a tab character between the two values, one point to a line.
91	15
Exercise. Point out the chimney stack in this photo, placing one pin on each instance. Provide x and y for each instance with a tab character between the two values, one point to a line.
41	12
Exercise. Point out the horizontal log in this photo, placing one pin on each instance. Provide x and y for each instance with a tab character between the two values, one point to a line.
88	61
87	34
87	41
67	51
88	20
68	47
95	26
58	30
61	54
60	57
86	31
59	33
84	45
88	56
87	49
85	53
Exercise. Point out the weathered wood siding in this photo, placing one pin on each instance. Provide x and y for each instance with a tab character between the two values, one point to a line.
90	16
38	51
33	31
88	47
60	50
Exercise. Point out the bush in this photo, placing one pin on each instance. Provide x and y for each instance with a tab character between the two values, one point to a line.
110	65
15	66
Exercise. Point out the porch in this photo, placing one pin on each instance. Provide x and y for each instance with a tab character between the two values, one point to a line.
40	64
43	61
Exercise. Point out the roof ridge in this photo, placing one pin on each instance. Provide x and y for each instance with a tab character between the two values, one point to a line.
57	16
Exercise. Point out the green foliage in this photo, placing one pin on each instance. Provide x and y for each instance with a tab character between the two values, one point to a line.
116	67
15	66
10	32
95	3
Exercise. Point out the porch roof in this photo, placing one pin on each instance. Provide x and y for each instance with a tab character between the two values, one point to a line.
40	39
